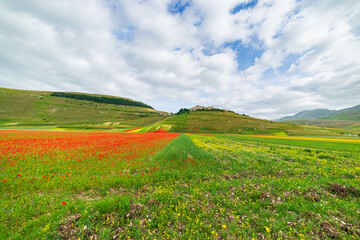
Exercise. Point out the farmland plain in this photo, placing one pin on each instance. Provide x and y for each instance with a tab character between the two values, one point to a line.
102	185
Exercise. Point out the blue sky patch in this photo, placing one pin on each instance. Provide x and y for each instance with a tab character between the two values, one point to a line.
287	62
125	34
243	6
271	73
245	54
178	6
210	51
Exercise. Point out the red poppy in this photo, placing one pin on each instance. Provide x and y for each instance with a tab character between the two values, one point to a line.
63	203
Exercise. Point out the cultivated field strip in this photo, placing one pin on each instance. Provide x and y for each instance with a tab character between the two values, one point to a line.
289	191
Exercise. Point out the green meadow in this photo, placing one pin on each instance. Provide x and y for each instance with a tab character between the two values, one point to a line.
238	177
204	187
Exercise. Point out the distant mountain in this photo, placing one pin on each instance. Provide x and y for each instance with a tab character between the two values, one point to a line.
352	113
310	114
348	118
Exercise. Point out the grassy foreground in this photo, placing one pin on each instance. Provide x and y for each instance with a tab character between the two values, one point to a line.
195	187
286	188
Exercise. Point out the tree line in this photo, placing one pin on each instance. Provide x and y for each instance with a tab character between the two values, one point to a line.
107	100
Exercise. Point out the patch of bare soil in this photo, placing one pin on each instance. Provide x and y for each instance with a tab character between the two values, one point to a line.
230	177
342	191
312	195
68	229
267	196
152	202
312	215
134	209
349	228
279	174
329	230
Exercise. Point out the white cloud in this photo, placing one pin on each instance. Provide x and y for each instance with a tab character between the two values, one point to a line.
138	49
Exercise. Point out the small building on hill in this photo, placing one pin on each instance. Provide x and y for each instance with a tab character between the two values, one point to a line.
197	107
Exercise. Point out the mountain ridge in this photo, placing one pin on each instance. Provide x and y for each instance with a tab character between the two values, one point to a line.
310	114
351	113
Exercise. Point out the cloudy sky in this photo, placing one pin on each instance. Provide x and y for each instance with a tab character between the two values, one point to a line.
265	58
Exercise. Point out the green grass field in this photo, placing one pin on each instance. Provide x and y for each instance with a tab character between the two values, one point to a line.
87	180
98	185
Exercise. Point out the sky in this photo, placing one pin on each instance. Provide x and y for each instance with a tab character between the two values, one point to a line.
263	58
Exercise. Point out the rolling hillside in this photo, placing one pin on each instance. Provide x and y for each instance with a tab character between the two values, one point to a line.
229	122
348	118
352	113
310	114
22	109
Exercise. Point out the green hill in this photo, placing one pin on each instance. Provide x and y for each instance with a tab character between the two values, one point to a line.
348	118
230	122
22	108
310	114
101	99
352	113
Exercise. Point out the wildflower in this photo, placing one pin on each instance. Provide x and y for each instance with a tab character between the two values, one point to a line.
224	226
63	203
267	229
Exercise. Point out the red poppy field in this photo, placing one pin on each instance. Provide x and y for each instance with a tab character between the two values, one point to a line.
38	160
42	171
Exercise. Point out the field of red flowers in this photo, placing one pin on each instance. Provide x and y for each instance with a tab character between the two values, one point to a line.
43	174
40	160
